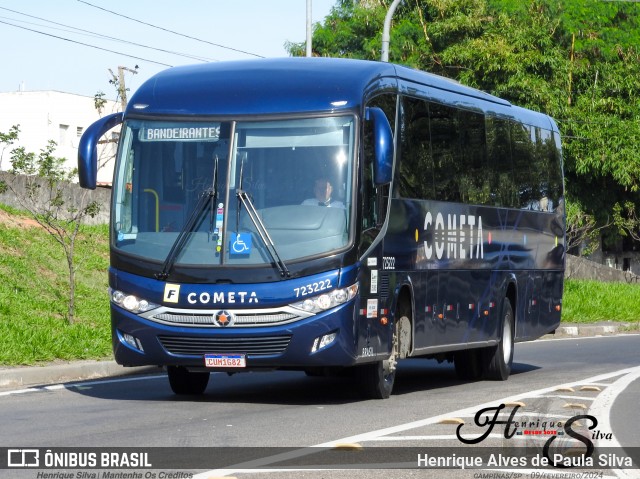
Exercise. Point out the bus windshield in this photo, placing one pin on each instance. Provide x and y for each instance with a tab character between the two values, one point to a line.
274	189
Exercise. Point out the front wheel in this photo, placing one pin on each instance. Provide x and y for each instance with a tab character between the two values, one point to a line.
498	359
375	380
183	381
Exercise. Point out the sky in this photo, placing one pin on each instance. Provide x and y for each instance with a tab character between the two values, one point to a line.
221	30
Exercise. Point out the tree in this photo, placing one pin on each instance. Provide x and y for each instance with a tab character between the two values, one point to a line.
8	139
583	232
41	186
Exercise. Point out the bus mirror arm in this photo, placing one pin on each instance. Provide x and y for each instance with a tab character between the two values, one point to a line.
88	151
383	145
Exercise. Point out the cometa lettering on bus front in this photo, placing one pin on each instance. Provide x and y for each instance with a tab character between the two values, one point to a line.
220	297
461	239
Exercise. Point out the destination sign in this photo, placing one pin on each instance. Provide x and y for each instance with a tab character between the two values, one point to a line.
191	132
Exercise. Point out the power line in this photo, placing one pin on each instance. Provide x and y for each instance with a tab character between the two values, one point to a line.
87	44
97	35
170	31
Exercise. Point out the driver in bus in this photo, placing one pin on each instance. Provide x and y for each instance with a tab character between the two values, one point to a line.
323	190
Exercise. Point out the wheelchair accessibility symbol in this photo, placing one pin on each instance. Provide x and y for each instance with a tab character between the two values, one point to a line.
240	244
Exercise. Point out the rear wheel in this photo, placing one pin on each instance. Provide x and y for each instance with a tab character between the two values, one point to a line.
183	381
498	359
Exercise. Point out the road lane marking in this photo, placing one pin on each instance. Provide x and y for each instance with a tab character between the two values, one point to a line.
573	338
601	409
79	385
379	433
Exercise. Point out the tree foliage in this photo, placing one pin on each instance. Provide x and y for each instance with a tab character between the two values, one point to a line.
575	60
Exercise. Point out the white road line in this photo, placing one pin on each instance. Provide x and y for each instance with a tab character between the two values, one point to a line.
79	385
573	338
564	396
444	437
601	409
373	435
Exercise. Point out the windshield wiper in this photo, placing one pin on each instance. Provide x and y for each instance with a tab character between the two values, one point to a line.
208	196
263	233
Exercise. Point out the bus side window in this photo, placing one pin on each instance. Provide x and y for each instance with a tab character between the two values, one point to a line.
499	164
374	198
416	167
474	180
523	145
445	147
550	173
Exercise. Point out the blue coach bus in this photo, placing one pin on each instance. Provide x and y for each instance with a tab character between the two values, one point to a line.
328	215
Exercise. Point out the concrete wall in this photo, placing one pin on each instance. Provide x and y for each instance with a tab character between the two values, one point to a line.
581	268
73	194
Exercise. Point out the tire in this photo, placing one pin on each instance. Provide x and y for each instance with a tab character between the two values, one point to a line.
376	380
185	382
498	359
468	364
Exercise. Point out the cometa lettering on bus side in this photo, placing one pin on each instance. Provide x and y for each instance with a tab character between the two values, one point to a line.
462	238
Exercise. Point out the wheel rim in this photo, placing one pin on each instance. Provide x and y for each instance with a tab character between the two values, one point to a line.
507	343
389	365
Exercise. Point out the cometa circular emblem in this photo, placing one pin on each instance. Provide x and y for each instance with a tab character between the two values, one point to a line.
223	319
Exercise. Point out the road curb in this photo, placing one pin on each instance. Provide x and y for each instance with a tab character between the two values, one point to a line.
31	376
597	329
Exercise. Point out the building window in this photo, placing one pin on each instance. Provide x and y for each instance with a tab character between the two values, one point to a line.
64	130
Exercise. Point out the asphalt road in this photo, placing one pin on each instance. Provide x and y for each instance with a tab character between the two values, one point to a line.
551	380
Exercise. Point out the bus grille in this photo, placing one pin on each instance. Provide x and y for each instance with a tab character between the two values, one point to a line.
241	318
196	346
244	319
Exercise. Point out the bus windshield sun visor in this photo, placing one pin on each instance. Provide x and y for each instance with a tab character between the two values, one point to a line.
208	196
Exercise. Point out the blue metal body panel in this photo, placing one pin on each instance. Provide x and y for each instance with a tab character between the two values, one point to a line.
259	87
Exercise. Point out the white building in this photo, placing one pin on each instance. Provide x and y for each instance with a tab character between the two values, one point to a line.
61	117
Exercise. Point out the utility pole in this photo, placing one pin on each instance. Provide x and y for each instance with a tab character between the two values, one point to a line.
386	37
120	83
309	33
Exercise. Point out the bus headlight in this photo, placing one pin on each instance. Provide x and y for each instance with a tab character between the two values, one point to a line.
329	300
130	302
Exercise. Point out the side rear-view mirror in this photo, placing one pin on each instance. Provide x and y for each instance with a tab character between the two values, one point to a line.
383	146
88	151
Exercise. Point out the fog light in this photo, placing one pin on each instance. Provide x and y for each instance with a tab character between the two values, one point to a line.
132	341
322	342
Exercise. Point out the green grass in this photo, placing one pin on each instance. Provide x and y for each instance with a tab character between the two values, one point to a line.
592	301
33	297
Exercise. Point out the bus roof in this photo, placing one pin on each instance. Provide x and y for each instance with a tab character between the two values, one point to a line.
286	85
